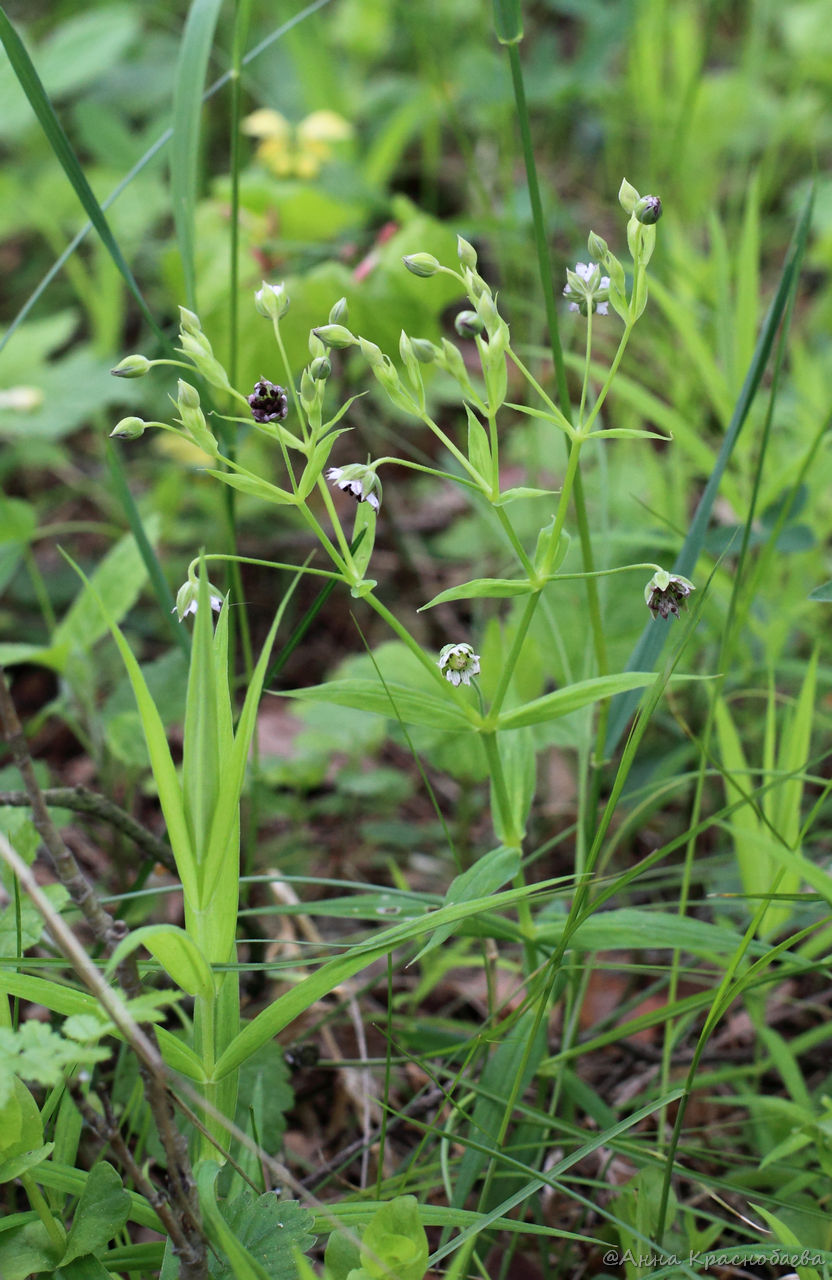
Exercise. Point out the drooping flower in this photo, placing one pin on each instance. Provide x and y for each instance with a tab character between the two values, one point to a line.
666	593
458	663
268	402
359	480
589	287
187	599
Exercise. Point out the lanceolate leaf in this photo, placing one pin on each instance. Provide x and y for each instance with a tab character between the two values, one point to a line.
574	696
395	701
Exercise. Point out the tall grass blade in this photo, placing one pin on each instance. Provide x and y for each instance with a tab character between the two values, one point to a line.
191	69
31	85
649	646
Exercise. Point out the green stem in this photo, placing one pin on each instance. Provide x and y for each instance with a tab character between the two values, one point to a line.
586	427
562	421
514	655
37	1200
502	516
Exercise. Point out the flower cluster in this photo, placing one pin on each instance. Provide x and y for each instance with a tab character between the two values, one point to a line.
591	289
666	593
268	402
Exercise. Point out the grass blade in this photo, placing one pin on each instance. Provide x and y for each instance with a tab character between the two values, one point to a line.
31	85
191	68
651	642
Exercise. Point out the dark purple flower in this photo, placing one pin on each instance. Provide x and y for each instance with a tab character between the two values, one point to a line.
268	402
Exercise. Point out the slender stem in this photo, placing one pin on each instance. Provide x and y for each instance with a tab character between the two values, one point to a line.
586	427
502	516
514	655
562	421
585	383
323	489
37	1200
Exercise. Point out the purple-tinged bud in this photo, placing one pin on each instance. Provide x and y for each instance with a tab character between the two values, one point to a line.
131	367
320	369
128	429
468	324
268	401
648	210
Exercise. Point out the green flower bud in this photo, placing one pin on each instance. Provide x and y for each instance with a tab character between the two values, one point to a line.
338	314
371	353
597	245
128	429
189	321
320	369
648	210
187	396
271	301
628	197
335	335
488	313
308	390
466	253
422	264
424	351
132	367
468	324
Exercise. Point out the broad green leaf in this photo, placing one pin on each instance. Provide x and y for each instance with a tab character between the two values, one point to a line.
21	1127
176	952
243	1265
394	1242
396	701
26	1251
85	1267
53	656
482	589
18	521
100	1215
271	1230
105	598
564	701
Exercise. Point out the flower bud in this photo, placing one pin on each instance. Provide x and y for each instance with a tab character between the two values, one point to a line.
320	369
468	324
316	347
186	395
131	367
648	210
187	599
189	321
597	245
271	301
424	351
338	314
335	335
628	197
422	264
128	429
466	253
371	353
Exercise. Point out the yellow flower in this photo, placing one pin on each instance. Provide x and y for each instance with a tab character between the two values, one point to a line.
296	151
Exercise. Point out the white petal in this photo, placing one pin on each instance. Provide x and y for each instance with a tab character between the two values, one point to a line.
373	501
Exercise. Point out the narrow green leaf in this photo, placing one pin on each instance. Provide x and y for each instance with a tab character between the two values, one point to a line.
488	874
191	68
39	101
411	705
563	701
652	639
176	952
251	485
481	589
115	585
201	754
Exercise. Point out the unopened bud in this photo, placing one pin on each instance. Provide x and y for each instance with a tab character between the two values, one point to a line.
186	395
371	353
128	429
189	321
320	369
466	253
422	264
628	197
424	351
338	314
648	210
468	324
335	335
598	247
131	367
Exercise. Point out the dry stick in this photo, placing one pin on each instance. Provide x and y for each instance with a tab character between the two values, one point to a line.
105	1127
84	800
109	932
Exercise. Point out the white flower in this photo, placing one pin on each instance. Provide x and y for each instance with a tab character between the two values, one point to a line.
271	301
362	482
458	663
187	599
666	592
587	284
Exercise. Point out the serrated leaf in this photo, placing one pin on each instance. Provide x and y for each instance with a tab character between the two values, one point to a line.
410	705
271	1230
